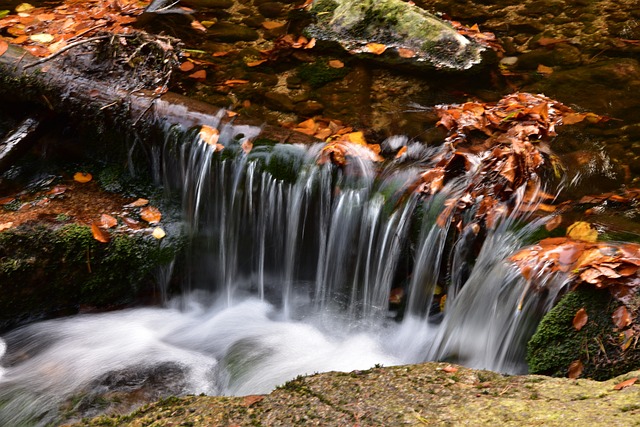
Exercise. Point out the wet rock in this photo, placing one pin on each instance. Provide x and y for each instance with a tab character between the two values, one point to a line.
562	54
309	108
271	9
225	32
210	4
253	21
396	24
279	101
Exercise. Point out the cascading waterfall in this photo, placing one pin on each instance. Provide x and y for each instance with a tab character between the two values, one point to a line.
289	270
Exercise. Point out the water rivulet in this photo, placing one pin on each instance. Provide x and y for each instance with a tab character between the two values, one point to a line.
293	266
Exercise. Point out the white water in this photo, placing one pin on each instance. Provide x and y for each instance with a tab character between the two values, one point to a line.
285	278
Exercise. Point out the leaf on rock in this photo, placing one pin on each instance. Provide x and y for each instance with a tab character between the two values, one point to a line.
272	25
543	69
3	47
575	369
233	82
209	135
580	319
6	225
151	214
137	204
450	369
99	234
24	7
247	146
251	400
336	63
621	317
158	233
375	48
82	177
256	63
625	384
187	66
553	223
107	221
581	230
43	38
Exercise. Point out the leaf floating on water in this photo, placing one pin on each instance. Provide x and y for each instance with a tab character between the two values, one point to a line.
580	319
3	47
256	63
99	234
234	82
581	230
198	75
158	233
137	204
575	369
621	317
82	177
151	214
626	383
107	221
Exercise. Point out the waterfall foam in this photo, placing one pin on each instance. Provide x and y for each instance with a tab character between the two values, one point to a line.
291	264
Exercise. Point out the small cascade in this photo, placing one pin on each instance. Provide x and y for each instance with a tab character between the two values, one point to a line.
293	266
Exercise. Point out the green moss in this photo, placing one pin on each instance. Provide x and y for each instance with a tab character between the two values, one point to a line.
285	163
556	343
48	270
319	74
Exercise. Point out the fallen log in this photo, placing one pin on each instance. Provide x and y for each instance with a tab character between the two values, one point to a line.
63	89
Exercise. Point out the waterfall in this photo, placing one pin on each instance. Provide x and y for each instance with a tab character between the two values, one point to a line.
290	268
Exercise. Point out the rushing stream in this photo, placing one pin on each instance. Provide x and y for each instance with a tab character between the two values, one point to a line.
290	268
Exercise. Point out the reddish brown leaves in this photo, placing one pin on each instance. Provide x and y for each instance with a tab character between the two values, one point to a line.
450	369
626	383
99	234
347	145
107	221
251	400
3	47
621	317
580	319
575	369
151	214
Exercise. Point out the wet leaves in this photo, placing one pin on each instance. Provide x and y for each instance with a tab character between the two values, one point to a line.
82	177
580	319
107	221
151	214
625	384
581	230
575	369
621	317
3	47
158	233
99	234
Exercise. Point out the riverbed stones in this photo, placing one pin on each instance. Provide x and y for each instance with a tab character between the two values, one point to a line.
230	33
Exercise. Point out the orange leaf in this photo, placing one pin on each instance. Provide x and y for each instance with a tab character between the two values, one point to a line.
543	69
251	400
6	225
450	369
235	82
187	66
626	383
209	135
150	214
247	146
553	223
405	53
580	319
107	221
137	204
621	317
272	25
3	47
199	75
82	177
575	369
198	26
401	152
375	48
256	63
336	63
99	234
131	223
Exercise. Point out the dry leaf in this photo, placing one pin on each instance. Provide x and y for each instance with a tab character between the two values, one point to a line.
272	25
43	38
131	223
107	221
6	226
99	234
626	383
543	69
580	319
82	177
199	75
158	233
137	204
150	214
621	317
581	230
187	66
3	47
336	63
252	399
575	369
256	63
375	48
450	369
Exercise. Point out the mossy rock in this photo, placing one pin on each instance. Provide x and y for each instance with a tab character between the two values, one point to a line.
556	343
49	270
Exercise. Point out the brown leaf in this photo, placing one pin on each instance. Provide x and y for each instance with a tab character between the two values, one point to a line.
450	369
543	69
626	383
621	317
405	53
209	135
375	48
233	82
99	234
131	223
575	369
256	63
150	214
336	63
196	25
199	75
272	25
107	221
553	223
580	319
247	146
3	47
137	204
187	66
57	190
252	399
6	225
82	177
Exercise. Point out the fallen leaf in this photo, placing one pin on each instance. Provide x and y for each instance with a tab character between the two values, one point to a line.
43	38
57	190
137	204
401	152
82	177
396	295
450	369
107	221
3	47
553	223
581	230
580	319
375	48
621	317
99	234
575	369
131	223
543	69
24	7
150	214
235	82
158	233
256	63
6	225
209	135
198	75
405	53
336	63
196	25
626	383
187	66
247	146
272	25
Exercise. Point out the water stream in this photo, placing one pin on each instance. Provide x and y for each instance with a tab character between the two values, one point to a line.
289	270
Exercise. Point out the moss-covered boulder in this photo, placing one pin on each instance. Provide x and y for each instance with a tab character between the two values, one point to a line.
603	349
48	270
398	25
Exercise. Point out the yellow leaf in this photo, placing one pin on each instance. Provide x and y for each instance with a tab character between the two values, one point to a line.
44	38
357	138
24	7
375	48
581	230
82	177
543	69
158	233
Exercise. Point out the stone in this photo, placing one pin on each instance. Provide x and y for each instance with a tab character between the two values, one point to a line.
271	9
279	101
210	4
309	108
225	32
